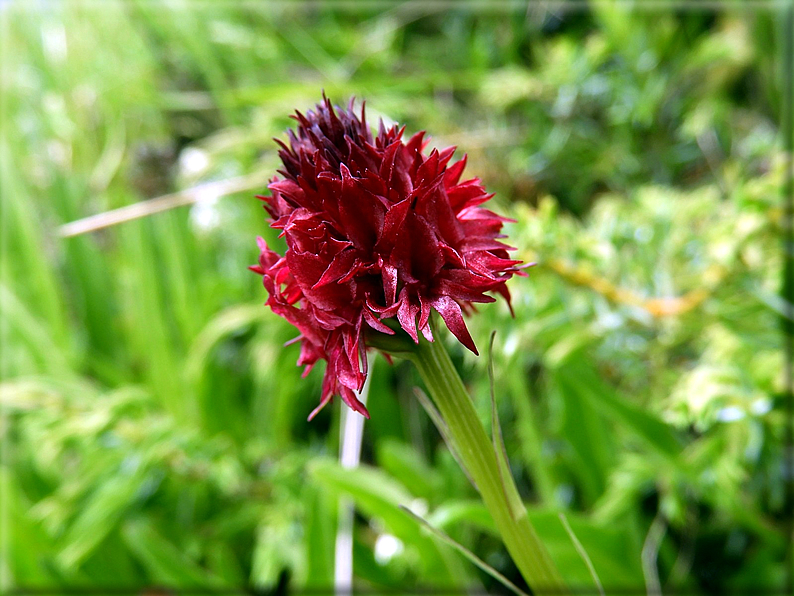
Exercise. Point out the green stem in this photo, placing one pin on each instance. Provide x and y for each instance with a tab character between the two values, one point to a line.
479	457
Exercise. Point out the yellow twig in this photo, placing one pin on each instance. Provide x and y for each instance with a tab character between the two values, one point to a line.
657	307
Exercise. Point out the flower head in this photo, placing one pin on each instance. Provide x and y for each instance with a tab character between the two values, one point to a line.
375	229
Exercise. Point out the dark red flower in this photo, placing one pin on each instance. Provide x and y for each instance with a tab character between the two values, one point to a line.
375	229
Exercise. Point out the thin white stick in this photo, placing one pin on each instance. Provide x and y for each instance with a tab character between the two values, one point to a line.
650	554
140	209
351	432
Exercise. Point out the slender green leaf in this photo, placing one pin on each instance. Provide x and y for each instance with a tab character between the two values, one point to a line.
469	555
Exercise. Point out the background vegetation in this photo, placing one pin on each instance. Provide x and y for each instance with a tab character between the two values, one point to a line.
155	428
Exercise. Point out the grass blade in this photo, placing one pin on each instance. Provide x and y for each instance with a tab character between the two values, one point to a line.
467	553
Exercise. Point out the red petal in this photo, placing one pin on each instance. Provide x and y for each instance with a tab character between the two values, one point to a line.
467	194
444	156
338	268
461	292
453	317
327	398
351	400
424	318
415	143
453	173
428	170
406	314
393	224
389	274
360	215
375	323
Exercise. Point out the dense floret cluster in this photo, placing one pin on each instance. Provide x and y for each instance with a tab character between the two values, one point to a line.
375	229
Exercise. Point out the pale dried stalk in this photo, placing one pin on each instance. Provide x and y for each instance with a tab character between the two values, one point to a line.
351	432
141	209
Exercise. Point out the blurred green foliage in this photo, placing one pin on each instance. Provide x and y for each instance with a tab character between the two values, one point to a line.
155	428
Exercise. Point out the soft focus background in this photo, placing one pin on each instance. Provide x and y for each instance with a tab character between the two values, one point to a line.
155	428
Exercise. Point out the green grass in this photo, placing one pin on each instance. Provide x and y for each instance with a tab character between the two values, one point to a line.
155	428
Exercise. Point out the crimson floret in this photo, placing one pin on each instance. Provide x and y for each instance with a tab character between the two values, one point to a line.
375	229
